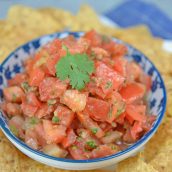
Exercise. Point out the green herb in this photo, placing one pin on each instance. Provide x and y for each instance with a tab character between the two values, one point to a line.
74	147
55	119
25	86
93	80
75	67
119	111
14	97
14	130
64	47
80	133
79	138
113	147
92	55
107	134
91	144
94	130
105	39
108	85
51	102
34	120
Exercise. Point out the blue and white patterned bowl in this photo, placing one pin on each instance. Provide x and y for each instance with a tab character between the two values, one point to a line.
157	102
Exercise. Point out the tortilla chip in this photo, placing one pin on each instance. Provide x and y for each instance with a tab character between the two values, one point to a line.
2	22
29	165
87	19
64	18
9	158
162	162
32	20
168	83
134	164
161	139
139	30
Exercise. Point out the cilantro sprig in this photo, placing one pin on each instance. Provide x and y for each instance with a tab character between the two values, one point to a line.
75	67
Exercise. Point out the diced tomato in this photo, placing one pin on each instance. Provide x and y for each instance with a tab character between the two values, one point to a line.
106	126
55	150
18	79
28	110
146	80
99	53
127	137
53	133
133	71
120	119
83	44
101	151
110	80
31	139
97	109
111	137
77	153
40	134
136	112
51	63
54	46
36	76
95	90
45	110
119	50
13	109
65	115
33	100
117	100
69	139
94	37
86	135
76	124
109	46
129	119
120	66
132	92
136	129
51	88
74	100
74	46
16	126
13	94
29	63
90	124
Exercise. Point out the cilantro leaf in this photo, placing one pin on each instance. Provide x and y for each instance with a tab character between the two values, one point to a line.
94	130
55	119
76	68
91	144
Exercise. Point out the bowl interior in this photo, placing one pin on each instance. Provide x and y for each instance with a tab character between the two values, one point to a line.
156	97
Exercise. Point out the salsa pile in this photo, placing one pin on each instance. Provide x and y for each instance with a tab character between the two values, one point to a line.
79	99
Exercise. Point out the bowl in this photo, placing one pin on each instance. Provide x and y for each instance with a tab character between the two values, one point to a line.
156	101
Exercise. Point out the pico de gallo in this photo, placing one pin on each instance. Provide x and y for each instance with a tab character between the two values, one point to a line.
79	98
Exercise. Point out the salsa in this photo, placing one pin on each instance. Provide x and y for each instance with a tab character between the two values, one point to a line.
79	98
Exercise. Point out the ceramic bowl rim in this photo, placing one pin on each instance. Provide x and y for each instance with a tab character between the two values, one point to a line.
116	155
